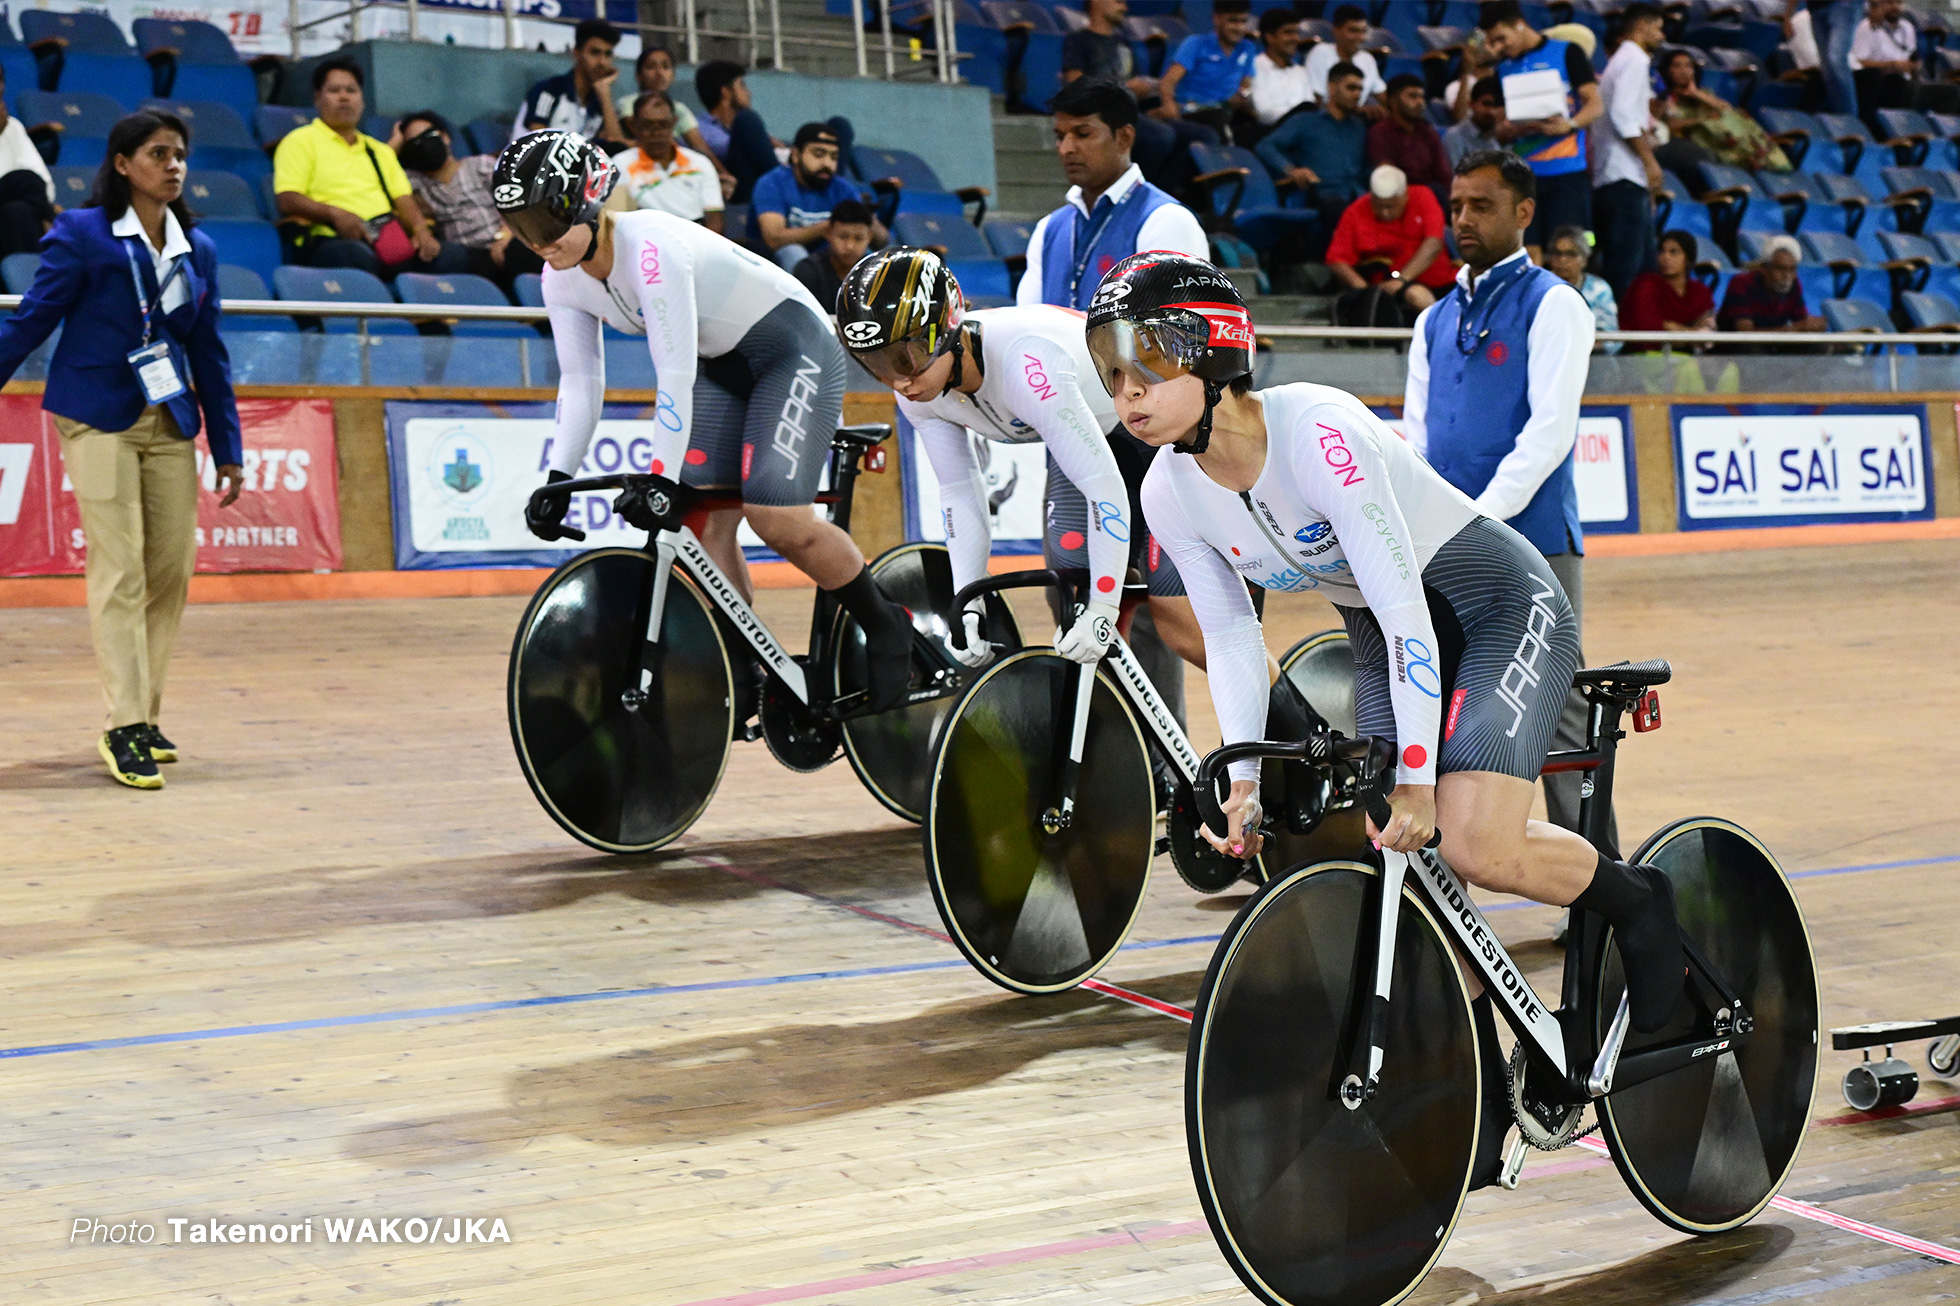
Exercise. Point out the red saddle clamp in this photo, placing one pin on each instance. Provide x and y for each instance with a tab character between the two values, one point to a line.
1647	712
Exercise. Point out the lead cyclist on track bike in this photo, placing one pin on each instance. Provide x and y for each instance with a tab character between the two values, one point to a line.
1301	487
1014	375
746	363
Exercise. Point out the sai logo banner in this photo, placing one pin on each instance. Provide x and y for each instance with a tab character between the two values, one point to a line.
1786	464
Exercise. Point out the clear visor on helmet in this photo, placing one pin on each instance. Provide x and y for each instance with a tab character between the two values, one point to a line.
536	226
1146	352
902	358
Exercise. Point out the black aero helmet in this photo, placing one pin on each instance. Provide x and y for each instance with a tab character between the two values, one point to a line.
549	182
898	310
1160	315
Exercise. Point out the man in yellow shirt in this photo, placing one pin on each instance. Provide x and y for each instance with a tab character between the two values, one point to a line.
350	187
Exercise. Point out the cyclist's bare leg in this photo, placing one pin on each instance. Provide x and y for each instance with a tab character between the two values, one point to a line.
719	541
1491	840
820	551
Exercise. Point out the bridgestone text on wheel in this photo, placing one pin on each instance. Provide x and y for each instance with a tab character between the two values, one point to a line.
1705	1147
620	779
1038	911
1311	1203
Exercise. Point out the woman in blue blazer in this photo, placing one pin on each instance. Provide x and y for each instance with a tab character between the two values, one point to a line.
134	289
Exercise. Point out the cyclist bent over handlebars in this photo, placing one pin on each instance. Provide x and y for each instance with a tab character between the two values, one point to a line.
746	362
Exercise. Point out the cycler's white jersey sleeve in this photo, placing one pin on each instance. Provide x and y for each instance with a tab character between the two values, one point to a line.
1355	495
1235	646
1045	391
581	384
663	278
962	491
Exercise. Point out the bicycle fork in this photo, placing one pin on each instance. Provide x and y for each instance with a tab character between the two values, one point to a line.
1058	817
1356	1088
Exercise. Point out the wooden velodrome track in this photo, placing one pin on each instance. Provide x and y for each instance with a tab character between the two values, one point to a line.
344	966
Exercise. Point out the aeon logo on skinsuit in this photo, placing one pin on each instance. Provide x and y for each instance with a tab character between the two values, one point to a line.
650	264
1036	378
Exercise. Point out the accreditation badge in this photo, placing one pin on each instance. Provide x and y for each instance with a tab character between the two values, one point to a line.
157	371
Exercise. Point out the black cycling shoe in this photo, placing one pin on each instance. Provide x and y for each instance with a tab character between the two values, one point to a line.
160	748
887	631
1638	902
1495	1120
125	750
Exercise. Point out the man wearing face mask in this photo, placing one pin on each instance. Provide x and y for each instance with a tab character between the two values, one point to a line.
455	194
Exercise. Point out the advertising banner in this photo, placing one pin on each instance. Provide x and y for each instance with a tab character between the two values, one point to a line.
287	519
1016	476
1800	464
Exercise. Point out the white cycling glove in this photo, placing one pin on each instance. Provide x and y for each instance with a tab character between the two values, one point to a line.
1088	639
978	652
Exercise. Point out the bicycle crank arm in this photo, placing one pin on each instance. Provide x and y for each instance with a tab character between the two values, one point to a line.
1651	1063
1600	1082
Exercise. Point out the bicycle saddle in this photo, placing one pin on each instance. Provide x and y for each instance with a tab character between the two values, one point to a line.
868	436
1625	675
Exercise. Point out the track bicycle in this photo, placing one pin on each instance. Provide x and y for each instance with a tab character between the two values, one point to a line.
1041	812
1332	1081
633	670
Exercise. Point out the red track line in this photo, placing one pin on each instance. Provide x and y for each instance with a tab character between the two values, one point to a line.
1143	1000
1889	1113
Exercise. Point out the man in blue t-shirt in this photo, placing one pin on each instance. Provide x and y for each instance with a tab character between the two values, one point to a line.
789	213
1210	76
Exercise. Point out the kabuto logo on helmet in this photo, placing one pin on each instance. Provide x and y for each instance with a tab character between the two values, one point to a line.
861	335
508	193
1112	292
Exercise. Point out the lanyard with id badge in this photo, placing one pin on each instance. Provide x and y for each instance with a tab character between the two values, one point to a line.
152	362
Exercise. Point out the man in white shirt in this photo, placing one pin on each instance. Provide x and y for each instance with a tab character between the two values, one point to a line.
27	199
1885	64
1499	416
1279	79
1350	32
661	173
1625	173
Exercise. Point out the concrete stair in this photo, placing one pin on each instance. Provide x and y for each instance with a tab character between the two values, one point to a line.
1028	176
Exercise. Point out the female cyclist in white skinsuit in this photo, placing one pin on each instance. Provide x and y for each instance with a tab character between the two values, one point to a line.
1464	643
1014	375
751	378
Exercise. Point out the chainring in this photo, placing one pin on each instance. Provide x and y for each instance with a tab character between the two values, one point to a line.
796	737
1198	864
1547	1126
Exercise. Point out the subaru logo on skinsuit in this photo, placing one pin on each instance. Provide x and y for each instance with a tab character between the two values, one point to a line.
1312	534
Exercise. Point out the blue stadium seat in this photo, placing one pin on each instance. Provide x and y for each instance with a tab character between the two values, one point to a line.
1926	312
1743	205
1032	51
378	125
17	65
427	288
1675	210
91	33
530	290
1819	282
982	279
271	122
236	283
1154	37
1858	276
1008	237
1863	157
72	185
220	140
17	272
1804	139
959	239
1440	39
1742	69
221	195
187	40
628	364
341	286
1918	264
84	120
488	135
918	187
1246	196
124	78
196	61
1856	315
1815	204
1931	198
248	242
1909	134
1948	244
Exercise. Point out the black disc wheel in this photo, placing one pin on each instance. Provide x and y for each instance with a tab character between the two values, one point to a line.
1321	667
891	751
796	736
1705	1147
619	772
1038	904
1314	1204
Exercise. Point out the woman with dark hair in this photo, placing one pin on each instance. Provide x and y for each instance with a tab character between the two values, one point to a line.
1669	298
139	368
1705	119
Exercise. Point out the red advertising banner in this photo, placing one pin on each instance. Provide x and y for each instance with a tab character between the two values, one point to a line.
288	518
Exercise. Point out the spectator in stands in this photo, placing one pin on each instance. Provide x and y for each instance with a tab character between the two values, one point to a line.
350	188
1768	296
654	71
1279	79
1391	238
1886	69
661	173
1566	254
733	129
846	236
1833	27
1407	139
1625	173
1210	76
1478	132
1476	65
1101	49
1553	82
1725	133
1669	298
1351	30
127	418
455	194
790	209
579	100
27	206
1325	154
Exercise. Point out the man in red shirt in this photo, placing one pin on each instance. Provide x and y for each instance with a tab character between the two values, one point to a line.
1407	139
1399	230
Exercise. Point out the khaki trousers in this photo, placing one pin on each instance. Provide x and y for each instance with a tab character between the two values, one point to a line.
138	495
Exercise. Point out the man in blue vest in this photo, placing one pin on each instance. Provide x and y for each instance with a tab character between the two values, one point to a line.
1112	213
1550	97
1497	369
